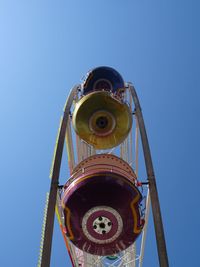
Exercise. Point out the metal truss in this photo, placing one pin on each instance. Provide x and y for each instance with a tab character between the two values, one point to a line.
78	150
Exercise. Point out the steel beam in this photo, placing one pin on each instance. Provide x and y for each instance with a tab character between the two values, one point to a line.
48	234
159	230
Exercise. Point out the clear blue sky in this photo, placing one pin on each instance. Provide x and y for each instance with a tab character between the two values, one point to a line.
45	48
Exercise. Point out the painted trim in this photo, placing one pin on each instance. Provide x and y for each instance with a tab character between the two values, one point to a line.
67	222
136	229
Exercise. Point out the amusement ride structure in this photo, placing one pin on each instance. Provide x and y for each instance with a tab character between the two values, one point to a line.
103	207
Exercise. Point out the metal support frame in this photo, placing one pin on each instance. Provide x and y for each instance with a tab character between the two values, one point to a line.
160	237
49	222
48	233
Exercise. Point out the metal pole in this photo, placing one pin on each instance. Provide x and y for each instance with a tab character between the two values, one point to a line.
160	237
48	234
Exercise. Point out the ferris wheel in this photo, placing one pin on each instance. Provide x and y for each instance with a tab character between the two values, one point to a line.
103	207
